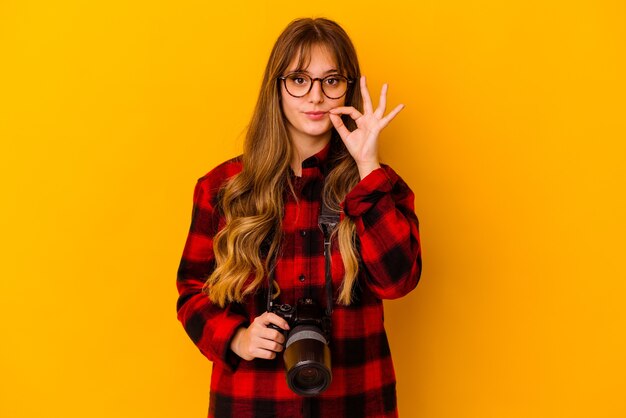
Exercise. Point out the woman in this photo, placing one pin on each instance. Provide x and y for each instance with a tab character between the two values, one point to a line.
313	138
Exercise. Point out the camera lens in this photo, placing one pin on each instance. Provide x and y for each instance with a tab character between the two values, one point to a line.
307	360
309	377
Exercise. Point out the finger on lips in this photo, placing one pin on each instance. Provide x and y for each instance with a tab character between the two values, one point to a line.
346	110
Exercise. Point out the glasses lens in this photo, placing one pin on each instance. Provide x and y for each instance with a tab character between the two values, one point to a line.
334	86
298	84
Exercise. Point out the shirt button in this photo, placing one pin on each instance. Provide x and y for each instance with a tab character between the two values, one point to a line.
302	277
303	233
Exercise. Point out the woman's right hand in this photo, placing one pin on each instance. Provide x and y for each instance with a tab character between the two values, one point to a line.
258	340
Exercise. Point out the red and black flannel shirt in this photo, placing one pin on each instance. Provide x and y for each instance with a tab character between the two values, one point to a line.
363	383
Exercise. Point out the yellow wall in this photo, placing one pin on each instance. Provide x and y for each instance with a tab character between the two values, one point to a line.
512	138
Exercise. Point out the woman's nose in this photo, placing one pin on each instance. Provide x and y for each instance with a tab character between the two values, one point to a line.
316	94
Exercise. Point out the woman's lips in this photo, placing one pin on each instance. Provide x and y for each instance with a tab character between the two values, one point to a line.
315	115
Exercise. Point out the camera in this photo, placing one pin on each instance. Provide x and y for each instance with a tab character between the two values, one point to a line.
306	355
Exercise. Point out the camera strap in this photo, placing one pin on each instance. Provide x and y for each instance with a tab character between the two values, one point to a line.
327	221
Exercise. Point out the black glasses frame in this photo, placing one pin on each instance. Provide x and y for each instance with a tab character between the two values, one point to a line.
313	80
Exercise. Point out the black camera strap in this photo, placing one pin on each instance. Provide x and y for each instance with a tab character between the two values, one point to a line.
327	221
270	285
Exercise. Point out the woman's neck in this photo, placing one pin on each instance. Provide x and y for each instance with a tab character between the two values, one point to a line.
304	148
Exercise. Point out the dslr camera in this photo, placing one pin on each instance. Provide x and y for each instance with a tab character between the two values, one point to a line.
306	354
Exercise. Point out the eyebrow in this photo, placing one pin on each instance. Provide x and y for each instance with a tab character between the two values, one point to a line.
334	70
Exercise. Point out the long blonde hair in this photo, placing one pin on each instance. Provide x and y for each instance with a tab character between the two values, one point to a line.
252	201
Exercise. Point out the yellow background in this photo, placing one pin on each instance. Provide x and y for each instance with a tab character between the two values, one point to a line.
512	139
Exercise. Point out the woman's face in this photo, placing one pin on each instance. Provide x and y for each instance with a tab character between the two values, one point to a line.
307	116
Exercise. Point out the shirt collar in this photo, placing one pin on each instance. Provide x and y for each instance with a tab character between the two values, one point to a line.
319	158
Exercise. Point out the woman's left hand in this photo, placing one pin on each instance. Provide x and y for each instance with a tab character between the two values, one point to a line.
362	143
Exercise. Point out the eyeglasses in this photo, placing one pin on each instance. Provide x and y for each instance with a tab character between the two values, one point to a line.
299	84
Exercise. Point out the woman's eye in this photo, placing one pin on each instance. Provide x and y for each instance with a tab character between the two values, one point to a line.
332	81
298	80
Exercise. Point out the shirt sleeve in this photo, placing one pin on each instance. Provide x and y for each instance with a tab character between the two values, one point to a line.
382	208
210	327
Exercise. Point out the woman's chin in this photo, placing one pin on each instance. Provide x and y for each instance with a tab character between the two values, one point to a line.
319	129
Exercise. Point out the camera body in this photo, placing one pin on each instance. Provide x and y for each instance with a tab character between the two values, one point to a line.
306	355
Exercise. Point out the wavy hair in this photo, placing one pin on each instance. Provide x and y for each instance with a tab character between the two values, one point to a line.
252	201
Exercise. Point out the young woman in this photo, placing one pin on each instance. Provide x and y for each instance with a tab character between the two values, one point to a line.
313	138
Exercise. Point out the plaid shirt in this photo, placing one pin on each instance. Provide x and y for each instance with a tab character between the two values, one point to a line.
363	383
